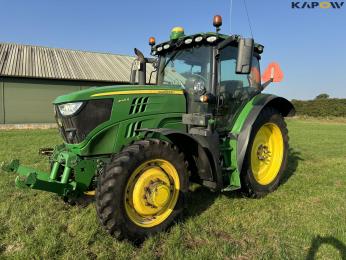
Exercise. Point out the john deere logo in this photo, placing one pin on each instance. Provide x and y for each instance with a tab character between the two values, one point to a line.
315	5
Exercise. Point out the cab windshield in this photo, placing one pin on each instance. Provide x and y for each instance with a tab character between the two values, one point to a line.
186	67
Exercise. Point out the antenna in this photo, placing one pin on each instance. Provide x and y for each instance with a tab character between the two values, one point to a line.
248	18
230	17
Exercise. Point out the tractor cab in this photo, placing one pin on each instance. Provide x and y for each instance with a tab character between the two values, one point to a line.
219	73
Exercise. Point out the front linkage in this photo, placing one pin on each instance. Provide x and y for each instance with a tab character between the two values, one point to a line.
70	175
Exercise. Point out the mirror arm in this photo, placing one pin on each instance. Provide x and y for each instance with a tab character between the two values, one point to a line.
150	60
265	84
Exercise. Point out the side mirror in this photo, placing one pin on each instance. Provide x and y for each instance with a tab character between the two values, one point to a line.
245	52
142	67
273	73
140	55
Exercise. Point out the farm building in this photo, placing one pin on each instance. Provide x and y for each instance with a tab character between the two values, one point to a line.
31	77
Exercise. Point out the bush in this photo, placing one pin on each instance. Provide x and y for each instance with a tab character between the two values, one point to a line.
322	96
321	107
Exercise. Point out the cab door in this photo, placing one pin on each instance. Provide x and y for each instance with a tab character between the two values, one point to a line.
234	90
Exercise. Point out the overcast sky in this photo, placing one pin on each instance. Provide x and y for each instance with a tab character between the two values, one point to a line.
310	44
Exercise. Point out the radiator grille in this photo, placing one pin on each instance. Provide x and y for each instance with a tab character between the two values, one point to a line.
75	128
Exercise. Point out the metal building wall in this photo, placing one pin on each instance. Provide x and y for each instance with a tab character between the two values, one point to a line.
31	77
30	100
2	112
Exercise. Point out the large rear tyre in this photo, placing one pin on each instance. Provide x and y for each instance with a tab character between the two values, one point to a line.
142	190
266	157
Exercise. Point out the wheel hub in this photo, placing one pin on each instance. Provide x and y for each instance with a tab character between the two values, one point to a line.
158	194
263	152
151	192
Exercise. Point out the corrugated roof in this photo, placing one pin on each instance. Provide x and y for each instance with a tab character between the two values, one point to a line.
28	61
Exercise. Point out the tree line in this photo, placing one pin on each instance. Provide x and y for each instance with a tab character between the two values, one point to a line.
321	106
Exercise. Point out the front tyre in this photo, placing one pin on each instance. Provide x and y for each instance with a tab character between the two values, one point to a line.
142	190
266	156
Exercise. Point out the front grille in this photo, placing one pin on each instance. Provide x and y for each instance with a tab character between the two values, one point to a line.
75	128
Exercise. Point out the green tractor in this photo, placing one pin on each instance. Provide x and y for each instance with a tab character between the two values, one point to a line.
138	147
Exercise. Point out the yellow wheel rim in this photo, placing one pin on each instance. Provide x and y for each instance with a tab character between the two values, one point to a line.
151	193
267	153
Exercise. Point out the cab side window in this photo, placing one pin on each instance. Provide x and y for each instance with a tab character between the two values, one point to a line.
227	75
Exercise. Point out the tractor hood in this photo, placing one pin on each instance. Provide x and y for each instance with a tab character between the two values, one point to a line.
120	90
89	119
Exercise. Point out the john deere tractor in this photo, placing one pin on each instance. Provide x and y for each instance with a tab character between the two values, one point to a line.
201	117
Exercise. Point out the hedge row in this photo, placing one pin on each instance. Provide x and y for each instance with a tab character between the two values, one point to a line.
331	107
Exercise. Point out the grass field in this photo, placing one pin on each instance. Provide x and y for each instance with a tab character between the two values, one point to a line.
305	218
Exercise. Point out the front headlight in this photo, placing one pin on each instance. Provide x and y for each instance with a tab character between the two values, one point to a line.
68	109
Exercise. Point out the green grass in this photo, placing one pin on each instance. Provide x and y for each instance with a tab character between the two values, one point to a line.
305	217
